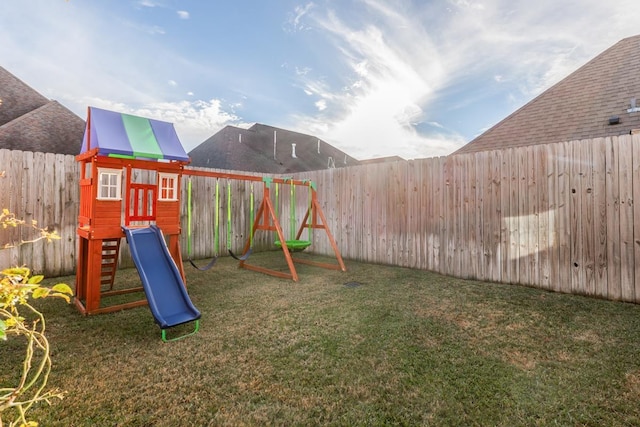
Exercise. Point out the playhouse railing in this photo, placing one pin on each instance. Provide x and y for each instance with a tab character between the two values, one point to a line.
141	203
84	218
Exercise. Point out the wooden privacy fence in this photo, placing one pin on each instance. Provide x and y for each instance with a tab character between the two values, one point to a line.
44	188
558	216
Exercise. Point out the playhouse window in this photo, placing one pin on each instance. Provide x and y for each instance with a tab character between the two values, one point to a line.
168	183
110	182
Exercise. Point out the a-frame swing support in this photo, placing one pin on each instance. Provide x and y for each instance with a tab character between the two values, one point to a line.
267	220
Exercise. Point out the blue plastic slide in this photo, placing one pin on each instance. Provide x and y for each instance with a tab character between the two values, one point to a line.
166	293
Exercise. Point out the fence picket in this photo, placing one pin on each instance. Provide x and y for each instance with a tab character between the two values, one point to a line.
626	219
553	247
613	218
600	219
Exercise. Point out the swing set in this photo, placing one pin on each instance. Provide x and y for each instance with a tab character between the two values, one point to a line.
267	219
131	171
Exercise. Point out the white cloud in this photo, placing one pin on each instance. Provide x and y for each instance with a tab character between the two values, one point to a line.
194	121
172	83
403	57
294	23
153	29
538	46
376	112
468	4
183	14
149	3
302	71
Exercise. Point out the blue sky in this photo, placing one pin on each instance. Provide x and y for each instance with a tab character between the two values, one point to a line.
371	77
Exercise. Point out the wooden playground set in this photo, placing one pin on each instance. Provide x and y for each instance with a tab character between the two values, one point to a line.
115	203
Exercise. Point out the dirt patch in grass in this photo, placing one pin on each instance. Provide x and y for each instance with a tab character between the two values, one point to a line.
632	384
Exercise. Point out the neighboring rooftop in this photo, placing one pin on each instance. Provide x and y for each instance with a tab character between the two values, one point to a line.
388	159
601	98
267	149
31	122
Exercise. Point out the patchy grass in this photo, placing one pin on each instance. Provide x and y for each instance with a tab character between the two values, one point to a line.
405	347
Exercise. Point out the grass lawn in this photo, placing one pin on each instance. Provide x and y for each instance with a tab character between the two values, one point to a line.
404	347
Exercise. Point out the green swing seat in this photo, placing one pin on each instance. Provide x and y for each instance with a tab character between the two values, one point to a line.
294	245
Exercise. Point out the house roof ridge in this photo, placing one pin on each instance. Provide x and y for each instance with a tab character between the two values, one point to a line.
291	151
29	114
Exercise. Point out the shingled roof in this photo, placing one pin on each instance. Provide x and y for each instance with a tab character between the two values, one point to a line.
31	122
581	106
267	149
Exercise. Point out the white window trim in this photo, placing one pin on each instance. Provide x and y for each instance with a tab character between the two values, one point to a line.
174	176
110	171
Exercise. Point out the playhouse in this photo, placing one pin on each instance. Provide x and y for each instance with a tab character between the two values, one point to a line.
130	173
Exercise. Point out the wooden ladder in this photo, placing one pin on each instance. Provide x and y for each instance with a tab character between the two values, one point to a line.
110	251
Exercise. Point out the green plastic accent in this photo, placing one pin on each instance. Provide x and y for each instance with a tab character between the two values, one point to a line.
251	217
310	217
141	137
164	333
292	213
277	201
189	219
294	244
267	180
216	231
121	156
228	215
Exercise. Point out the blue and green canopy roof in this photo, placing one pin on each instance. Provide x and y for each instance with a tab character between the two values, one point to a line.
126	136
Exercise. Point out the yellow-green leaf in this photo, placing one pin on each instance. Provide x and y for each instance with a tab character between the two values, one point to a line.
65	296
63	288
13	321
35	279
16	271
41	292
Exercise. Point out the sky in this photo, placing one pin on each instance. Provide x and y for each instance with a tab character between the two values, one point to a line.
374	78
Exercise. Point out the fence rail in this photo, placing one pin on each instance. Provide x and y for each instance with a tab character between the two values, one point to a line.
560	216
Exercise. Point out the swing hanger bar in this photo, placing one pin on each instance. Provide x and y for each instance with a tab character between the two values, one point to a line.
242	177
